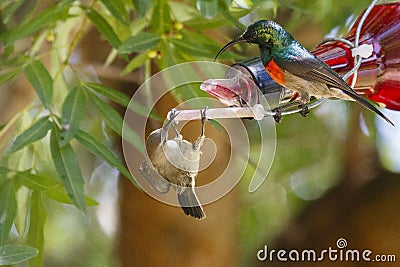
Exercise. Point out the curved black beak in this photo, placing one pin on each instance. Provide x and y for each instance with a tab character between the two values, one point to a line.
234	41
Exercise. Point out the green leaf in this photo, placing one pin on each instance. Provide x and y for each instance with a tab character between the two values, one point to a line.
110	115
141	6
41	81
103	27
109	93
72	114
140	42
5	77
21	220
144	111
224	10
115	122
42	20
196	44
216	22
37	182
189	48
102	151
8	210
10	10
135	63
4	170
13	254
36	227
207	8
68	170
133	138
161	19
122	99
61	196
183	12
36	132
117	9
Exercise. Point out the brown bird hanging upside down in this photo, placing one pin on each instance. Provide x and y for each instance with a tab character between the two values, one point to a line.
177	162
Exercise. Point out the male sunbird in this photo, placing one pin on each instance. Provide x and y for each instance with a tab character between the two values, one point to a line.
294	67
174	162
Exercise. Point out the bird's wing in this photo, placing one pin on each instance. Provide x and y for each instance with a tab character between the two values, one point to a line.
151	175
312	69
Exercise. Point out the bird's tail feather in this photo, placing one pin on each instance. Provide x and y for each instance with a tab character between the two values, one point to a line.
366	104
190	204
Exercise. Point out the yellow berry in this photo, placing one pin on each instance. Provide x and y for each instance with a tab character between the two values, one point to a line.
152	54
50	36
178	26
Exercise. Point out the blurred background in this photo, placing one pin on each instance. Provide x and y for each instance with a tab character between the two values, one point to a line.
335	173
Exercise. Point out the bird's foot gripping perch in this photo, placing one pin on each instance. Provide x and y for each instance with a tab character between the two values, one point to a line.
203	119
304	110
278	114
173	114
199	142
290	107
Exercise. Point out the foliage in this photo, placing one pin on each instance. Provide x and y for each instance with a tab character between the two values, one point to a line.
38	41
41	143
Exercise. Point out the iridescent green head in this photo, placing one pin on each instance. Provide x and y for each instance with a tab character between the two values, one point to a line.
266	33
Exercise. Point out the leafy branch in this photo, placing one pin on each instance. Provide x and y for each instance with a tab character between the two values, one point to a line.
42	139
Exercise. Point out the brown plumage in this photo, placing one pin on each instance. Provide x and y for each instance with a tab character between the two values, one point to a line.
177	162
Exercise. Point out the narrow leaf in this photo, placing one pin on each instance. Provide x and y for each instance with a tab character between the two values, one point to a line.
100	150
161	19
22	196
133	138
216	22
37	131
122	99
72	114
4	170
68	170
36	182
10	10
135	63
36	227
109	93
5	77
61	196
141	6
140	42
110	115
103	27
42	20
117	9
144	111
8	210
13	254
115	122
227	14
207	8
41	81
190	49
